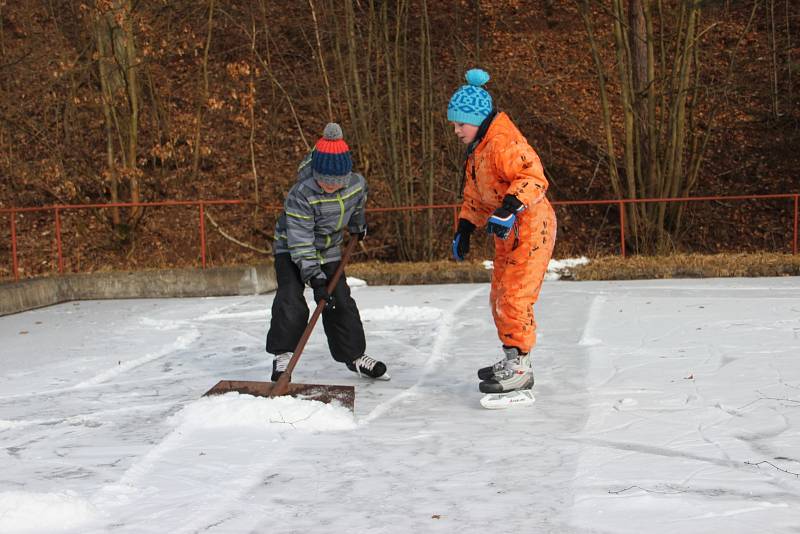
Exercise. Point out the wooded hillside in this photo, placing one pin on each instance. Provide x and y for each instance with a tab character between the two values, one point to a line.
135	101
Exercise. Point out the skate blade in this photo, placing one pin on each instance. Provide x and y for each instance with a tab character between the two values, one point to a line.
384	377
501	401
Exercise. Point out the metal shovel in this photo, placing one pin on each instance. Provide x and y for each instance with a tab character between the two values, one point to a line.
344	395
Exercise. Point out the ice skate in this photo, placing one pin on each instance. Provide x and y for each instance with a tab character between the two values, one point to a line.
279	364
516	374
368	367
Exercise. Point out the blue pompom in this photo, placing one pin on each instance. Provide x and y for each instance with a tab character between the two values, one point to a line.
477	77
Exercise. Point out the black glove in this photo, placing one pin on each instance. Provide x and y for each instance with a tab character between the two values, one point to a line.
461	239
319	284
504	217
360	235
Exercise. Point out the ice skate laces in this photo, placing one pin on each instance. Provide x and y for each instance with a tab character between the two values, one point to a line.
364	362
512	366
499	366
282	361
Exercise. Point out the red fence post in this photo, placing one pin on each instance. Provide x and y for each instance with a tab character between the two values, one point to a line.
622	227
14	262
794	246
58	241
203	233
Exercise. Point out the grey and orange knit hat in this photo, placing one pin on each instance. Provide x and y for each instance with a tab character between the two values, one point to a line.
330	161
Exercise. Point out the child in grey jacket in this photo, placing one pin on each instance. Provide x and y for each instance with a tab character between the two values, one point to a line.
327	198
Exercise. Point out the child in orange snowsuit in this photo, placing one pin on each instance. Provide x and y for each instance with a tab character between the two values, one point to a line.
504	189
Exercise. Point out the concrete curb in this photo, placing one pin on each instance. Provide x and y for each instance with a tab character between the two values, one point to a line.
17	297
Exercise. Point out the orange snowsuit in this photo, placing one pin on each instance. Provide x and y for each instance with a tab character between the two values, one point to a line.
504	163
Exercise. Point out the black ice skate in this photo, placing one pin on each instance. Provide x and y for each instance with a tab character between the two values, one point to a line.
366	366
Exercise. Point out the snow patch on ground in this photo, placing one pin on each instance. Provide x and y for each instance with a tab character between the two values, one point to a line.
22	511
555	269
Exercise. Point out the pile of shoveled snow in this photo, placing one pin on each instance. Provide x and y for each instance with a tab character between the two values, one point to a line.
236	410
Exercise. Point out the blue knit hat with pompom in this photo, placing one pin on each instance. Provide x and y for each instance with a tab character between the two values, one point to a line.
471	103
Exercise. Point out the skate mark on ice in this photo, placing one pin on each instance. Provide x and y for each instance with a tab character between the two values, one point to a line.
181	342
601	368
447	322
588	338
641	448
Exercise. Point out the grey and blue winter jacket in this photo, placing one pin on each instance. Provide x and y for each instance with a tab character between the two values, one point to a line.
311	225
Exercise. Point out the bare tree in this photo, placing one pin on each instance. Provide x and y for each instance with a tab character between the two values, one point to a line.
383	54
203	98
117	65
662	99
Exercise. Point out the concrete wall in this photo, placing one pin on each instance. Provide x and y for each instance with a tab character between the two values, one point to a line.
218	281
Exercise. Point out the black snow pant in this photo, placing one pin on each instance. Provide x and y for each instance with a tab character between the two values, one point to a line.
290	314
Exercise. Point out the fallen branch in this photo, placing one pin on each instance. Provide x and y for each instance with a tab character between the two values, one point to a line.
617	492
233	239
797	475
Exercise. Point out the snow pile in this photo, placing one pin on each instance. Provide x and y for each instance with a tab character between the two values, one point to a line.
555	269
355	282
245	411
22	511
401	313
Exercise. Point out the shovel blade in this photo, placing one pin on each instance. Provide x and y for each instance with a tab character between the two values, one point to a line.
343	395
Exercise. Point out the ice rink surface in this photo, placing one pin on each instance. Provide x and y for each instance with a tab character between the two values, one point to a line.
661	406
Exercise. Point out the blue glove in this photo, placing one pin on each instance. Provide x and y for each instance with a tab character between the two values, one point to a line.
461	239
502	220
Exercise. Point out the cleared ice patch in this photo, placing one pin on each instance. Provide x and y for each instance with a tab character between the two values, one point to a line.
256	315
22	511
237	410
158	324
401	313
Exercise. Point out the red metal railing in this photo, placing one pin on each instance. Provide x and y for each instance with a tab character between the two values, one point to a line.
201	205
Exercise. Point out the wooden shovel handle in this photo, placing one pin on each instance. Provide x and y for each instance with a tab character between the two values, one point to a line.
282	385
